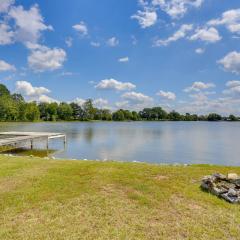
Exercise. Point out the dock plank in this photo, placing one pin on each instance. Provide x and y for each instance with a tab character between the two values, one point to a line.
14	138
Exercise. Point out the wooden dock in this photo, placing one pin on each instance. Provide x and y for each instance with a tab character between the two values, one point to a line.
16	139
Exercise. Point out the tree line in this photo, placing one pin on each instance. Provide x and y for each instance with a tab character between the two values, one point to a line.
13	107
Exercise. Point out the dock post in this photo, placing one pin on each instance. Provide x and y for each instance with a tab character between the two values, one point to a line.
31	144
65	140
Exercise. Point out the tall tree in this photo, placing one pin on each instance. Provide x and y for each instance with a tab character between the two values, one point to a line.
32	111
64	111
89	110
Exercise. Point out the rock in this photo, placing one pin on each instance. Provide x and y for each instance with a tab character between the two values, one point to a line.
232	176
232	193
229	198
219	176
226	187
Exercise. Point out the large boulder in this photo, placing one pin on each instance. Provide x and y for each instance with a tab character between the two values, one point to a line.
226	187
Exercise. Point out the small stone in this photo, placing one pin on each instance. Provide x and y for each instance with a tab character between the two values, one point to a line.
232	176
237	182
219	176
232	193
229	198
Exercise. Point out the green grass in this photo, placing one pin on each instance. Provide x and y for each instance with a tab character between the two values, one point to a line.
49	199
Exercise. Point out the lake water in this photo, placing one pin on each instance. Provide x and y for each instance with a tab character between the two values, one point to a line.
154	142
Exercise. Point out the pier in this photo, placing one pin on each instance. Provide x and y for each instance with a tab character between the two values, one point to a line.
16	139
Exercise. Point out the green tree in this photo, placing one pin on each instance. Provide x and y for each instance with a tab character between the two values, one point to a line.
8	109
17	97
52	110
89	110
43	111
77	111
146	114
127	115
31	111
4	91
159	113
106	115
174	116
135	116
232	118
214	117
64	111
118	115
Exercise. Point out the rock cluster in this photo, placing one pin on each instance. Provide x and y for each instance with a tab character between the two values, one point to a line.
226	187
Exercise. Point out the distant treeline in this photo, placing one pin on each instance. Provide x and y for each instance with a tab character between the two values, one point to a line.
13	107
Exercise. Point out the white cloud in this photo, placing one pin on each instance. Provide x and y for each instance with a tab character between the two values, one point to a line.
79	101
122	104
206	34
101	103
69	42
222	105
134	40
181	33
200	96
146	18
95	44
136	98
4	66
81	28
112	84
5	4
135	101
177	8
233	83
200	50
231	19
231	62
38	94
6	35
63	74
29	23
112	42
43	58
198	86
124	59
45	98
142	3
167	95
233	88
27	89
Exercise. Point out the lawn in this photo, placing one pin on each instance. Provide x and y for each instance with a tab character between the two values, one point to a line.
55	199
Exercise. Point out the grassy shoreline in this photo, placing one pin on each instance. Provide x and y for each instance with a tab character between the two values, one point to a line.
64	199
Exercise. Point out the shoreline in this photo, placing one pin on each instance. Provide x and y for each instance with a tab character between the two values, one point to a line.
116	161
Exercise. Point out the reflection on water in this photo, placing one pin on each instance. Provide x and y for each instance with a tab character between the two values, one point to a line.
155	142
28	152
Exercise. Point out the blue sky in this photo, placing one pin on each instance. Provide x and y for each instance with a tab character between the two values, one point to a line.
179	54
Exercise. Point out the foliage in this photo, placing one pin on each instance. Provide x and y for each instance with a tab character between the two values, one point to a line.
214	117
64	111
14	108
32	111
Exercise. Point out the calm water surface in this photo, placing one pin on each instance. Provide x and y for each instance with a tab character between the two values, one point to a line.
154	142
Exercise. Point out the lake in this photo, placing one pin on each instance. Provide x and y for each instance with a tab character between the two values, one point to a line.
153	142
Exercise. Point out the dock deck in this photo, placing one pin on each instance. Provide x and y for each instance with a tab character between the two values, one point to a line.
15	139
